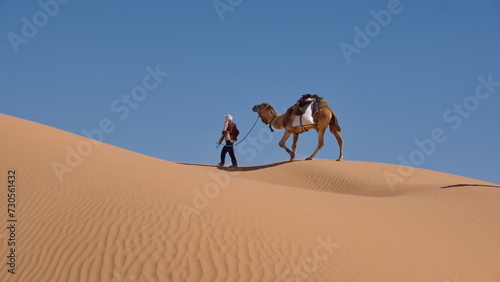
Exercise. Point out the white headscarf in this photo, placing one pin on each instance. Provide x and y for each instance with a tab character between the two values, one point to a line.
228	117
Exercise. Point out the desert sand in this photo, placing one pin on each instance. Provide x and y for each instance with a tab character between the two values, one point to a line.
108	214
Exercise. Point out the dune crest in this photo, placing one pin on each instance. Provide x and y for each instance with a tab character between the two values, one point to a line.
122	216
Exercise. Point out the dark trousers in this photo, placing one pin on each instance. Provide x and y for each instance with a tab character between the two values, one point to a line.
228	148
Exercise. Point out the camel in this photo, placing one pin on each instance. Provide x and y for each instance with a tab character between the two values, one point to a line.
324	117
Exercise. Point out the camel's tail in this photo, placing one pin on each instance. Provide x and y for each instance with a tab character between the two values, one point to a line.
334	123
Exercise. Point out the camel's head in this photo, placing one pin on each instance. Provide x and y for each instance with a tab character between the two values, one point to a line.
258	108
265	111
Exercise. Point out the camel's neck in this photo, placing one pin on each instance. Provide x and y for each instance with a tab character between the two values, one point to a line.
274	119
278	122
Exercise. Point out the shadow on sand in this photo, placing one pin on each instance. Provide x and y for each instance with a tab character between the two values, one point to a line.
242	168
466	185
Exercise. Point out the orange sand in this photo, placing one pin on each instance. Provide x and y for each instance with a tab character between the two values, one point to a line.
122	216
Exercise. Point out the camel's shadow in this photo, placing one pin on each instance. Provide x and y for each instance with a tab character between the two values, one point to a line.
242	168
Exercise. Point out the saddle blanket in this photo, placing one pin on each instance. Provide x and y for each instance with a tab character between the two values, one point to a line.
305	119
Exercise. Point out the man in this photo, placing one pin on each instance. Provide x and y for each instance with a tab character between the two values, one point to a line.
229	134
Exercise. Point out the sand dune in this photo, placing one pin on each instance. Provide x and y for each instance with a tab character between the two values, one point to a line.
88	211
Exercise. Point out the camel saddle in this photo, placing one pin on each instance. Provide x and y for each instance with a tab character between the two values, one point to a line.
305	109
303	104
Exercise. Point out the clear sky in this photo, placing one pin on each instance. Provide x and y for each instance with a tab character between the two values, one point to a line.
410	81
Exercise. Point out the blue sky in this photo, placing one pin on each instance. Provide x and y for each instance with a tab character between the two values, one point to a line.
409	74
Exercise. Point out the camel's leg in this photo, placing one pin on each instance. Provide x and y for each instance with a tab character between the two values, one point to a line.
340	142
321	142
282	144
294	145
335	130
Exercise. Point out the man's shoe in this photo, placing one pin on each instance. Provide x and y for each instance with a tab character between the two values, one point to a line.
234	166
220	164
